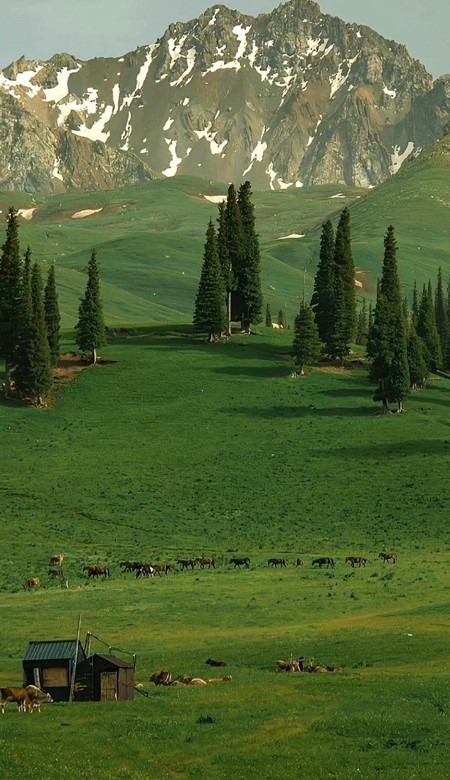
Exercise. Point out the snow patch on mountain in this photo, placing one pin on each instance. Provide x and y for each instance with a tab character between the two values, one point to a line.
55	94
397	158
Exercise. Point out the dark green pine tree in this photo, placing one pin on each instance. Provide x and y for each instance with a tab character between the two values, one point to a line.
415	306
387	343
427	329
268	316
345	305
442	323
10	294
306	346
210	314
281	319
363	325
90	329
418	371
370	318
235	249
33	371
224	257
52	316
323	297
249	274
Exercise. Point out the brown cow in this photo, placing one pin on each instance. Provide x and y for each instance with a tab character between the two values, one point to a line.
164	677
32	582
25	698
56	560
37	697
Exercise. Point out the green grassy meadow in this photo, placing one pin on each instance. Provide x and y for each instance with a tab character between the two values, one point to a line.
181	449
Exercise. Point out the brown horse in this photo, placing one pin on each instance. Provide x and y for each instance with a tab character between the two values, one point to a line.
356	560
186	563
299	562
96	571
388	557
32	582
162	568
274	562
206	562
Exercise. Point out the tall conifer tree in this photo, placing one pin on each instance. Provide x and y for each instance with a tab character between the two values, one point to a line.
427	329
345	307
90	329
306	346
224	258
210	312
415	305
10	293
52	316
323	297
268	316
235	246
249	273
418	371
442	322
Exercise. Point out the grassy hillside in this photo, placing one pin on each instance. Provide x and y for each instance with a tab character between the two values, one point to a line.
181	449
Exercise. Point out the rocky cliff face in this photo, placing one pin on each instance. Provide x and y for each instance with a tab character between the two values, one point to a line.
285	99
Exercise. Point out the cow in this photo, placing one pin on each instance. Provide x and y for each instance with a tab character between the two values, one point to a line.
37	697
163	677
31	583
55	573
356	560
277	326
203	562
56	560
388	557
328	562
274	562
25	698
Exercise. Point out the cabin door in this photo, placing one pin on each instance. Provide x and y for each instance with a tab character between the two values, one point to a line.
108	686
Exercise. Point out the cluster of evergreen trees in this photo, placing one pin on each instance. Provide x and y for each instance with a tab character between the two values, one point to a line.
30	319
230	279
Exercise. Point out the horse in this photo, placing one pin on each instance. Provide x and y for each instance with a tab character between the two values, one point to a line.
162	568
55	573
32	582
356	560
145	571
238	562
96	571
328	562
299	562
388	557
274	562
186	563
56	560
203	562
130	565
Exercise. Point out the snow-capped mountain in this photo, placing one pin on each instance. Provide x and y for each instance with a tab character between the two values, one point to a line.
286	99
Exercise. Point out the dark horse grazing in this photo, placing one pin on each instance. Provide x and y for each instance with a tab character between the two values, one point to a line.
277	562
388	557
96	571
186	563
328	562
356	560
238	562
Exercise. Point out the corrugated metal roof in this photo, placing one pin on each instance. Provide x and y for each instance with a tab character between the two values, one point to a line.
58	650
112	659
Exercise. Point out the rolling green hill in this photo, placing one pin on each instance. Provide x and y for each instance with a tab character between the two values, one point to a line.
150	237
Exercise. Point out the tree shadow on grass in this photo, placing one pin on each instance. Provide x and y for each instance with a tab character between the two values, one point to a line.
383	452
257	371
292	412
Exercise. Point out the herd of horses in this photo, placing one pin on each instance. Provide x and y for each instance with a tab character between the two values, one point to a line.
140	569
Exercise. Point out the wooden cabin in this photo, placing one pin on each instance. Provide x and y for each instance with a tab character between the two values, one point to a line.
50	665
104	677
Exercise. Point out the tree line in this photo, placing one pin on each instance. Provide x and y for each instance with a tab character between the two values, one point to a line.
30	320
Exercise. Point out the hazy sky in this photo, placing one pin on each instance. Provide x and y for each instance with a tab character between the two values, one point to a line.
89	28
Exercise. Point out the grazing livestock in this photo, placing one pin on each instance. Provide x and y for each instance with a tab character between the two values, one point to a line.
212	680
55	573
25	698
356	560
203	562
290	666
145	571
299	562
37	697
96	571
238	562
163	677
210	662
130	565
328	562
186	563
388	557
274	562
162	568
56	560
31	583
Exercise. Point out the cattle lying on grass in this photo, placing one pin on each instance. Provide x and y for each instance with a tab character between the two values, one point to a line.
164	677
27	699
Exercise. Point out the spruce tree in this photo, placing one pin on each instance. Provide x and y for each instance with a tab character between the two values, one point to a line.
323	297
427	329
363	325
210	312
10	294
345	306
90	329
52	316
415	306
224	258
386	346
281	319
442	322
268	316
418	371
235	249
249	273
33	371
306	346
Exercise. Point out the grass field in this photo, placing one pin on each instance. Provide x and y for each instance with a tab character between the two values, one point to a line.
181	449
